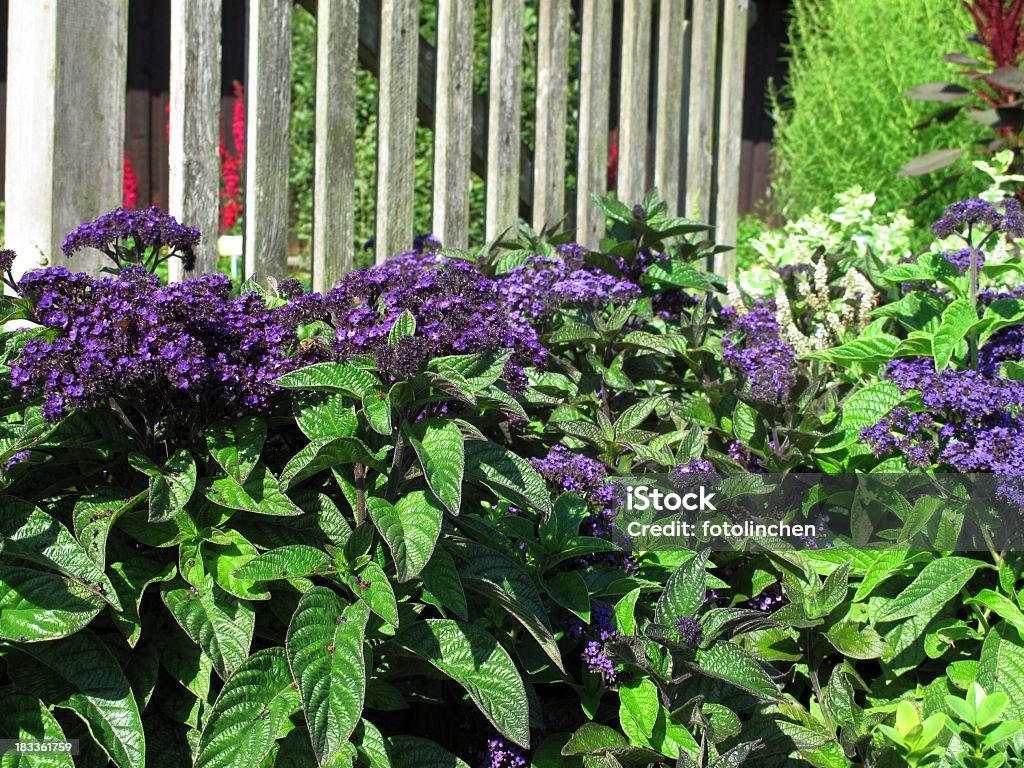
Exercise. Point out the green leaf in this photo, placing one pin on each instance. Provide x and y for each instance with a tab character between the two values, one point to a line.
481	562
957	320
410	528
1001	667
260	494
331	377
625	612
25	718
324	415
236	449
404	325
862	409
377	408
592	739
325	653
685	590
219	623
507	474
1000	605
130	579
31	534
731	664
475	660
439	446
442	586
170	486
936	584
1001	313
328	453
80	673
249	714
414	752
569	590
224	556
865	350
646	722
35	605
479	370
857	642
288	562
379	595
95	514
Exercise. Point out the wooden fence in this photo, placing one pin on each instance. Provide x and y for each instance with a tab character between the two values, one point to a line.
680	79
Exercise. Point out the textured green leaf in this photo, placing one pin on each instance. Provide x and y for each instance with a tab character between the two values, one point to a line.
646	722
442	586
865	350
1001	667
289	562
404	325
507	474
862	409
439	446
219	623
325	653
372	745
375	590
936	584
324	415
1001	313
414	752
480	562
625	612
237	448
25	718
377	408
95	514
475	660
328	453
331	377
170	486
410	528
130	580
79	673
224	556
35	605
731	664
957	320
31	534
569	590
593	738
261	494
685	590
480	369
1001	605
857	642
249	713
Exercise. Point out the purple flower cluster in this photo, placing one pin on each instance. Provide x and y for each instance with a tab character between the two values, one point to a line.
962	259
689	631
966	213
570	472
973	416
124	235
156	350
768	600
1005	346
601	630
457	311
499	753
753	349
538	287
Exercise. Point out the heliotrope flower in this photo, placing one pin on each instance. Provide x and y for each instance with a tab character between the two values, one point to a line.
962	215
689	631
753	349
500	753
126	236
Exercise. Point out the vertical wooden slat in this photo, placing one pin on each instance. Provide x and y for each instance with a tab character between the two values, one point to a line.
396	139
700	131
673	47
194	160
634	86
266	143
506	52
66	81
453	122
337	25
552	97
730	133
592	165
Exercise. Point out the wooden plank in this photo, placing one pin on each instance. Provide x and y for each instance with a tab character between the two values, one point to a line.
700	132
194	127
673	47
66	72
453	122
634	98
730	133
268	95
334	161
506	52
396	139
552	98
592	165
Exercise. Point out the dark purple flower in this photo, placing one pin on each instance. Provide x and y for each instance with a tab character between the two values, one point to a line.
962	259
499	753
689	631
125	235
752	348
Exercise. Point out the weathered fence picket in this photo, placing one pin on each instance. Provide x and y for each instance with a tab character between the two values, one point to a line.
266	142
194	125
677	121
